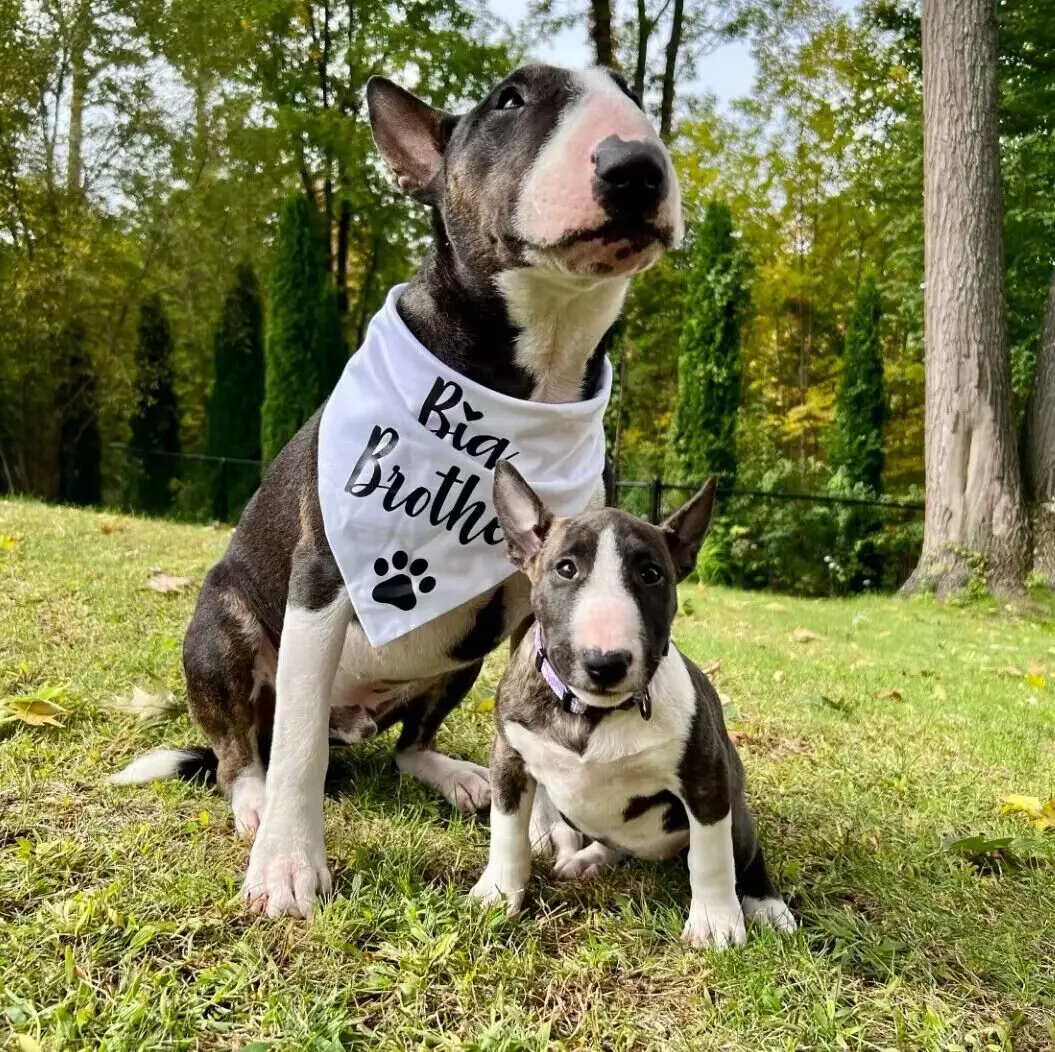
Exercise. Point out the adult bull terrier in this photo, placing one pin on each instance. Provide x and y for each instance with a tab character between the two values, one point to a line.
546	197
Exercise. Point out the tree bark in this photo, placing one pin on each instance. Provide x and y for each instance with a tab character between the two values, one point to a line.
975	520
75	151
644	31
670	71
601	32
1039	448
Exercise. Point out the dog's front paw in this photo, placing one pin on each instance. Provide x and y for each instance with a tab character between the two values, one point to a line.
493	888
773	912
469	787
715	926
285	876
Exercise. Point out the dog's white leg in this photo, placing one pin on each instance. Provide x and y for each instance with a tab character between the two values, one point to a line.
287	866
715	917
509	859
550	834
465	784
586	863
247	800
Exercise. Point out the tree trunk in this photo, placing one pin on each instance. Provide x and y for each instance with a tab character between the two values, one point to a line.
1039	448
644	31
670	71
75	155
601	32
975	520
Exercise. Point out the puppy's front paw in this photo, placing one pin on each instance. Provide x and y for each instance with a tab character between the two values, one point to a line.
286	876
715	926
492	888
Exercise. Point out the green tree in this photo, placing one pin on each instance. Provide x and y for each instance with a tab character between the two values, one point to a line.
233	416
155	422
305	346
860	405
702	437
80	445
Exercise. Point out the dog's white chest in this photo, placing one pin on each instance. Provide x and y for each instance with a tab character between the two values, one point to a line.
624	788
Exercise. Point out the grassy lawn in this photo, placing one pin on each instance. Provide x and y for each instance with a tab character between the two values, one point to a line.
875	732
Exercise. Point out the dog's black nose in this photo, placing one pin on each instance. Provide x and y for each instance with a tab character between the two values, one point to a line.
606	667
629	176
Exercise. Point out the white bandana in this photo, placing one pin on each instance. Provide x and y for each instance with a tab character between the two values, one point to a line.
407	450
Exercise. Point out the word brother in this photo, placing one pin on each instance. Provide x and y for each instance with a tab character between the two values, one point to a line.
449	503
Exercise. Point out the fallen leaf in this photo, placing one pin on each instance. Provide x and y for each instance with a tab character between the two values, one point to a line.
154	705
778	676
25	1043
712	668
806	635
889	694
1036	668
1010	672
36	711
736	737
1015	803
1042	815
162	582
8	543
106	527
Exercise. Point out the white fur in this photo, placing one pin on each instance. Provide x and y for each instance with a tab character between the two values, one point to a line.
605	615
587	863
247	800
156	766
466	785
773	912
625	757
509	857
561	319
715	917
287	866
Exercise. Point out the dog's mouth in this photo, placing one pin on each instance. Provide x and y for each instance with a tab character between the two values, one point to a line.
617	247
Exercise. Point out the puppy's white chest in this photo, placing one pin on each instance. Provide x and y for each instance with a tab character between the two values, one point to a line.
604	791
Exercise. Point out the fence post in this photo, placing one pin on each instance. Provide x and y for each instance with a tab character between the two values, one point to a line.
657	497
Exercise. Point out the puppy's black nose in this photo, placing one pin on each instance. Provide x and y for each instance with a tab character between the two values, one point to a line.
606	667
629	176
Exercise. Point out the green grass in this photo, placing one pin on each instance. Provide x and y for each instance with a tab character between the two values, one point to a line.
121	927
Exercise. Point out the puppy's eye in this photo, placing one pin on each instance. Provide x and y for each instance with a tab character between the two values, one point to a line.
566	569
509	99
651	573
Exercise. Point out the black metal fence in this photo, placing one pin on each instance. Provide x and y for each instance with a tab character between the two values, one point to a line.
799	542
651	500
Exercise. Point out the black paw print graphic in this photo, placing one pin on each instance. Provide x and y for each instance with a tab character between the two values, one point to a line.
401	590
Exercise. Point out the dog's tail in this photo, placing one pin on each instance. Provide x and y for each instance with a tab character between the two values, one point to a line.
162	764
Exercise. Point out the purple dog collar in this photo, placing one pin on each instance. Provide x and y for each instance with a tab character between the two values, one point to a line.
571	702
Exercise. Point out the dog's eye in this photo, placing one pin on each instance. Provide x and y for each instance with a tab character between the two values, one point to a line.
509	99
651	573
566	569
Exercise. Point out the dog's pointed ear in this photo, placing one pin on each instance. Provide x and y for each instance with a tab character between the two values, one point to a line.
524	519
685	529
410	134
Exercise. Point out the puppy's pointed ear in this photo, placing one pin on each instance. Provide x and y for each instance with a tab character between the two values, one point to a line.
685	529
524	519
410	134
